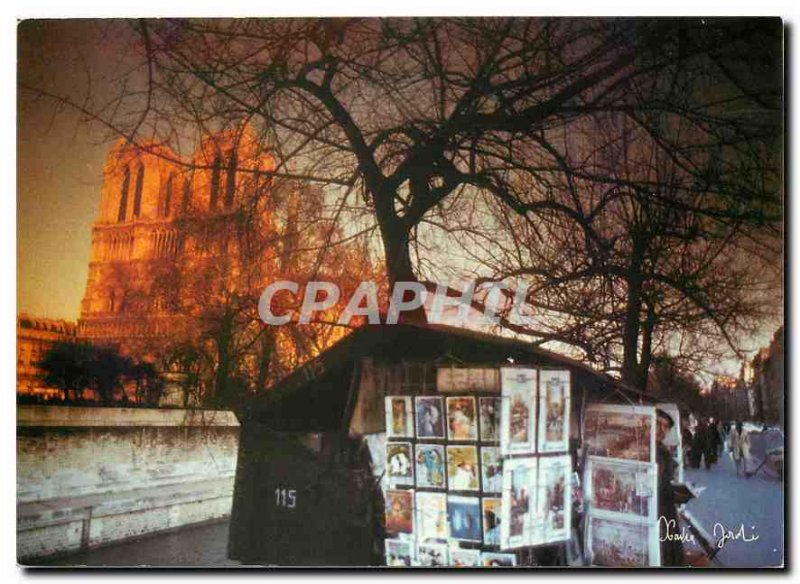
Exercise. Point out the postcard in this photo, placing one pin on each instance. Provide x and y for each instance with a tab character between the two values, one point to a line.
489	409
399	463
399	417
400	511
430	466
431	510
492	516
467	379
464	515
625	487
462	419
491	469
460	558
622	544
620	431
518	429
555	497
554	410
519	523
433	555
399	553
462	468
430	418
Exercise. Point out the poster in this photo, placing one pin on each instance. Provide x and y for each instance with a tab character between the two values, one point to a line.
462	419
464	514
430	466
555	497
620	431
622	543
431	512
554	410
467	379
518	428
462	468
491	508
465	558
519	503
432	555
399	553
400	511
430	418
622	487
498	560
489	415
399	464
399	417
491	469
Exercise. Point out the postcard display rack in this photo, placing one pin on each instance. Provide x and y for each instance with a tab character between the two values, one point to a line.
621	481
479	470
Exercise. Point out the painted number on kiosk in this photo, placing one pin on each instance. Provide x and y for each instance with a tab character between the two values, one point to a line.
286	498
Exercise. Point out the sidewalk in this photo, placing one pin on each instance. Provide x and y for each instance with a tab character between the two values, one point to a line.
730	502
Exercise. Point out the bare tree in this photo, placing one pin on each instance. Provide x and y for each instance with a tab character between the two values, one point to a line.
400	117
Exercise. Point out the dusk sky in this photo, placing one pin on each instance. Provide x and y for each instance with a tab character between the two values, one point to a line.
60	163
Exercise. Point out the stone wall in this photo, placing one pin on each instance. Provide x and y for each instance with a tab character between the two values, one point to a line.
92	476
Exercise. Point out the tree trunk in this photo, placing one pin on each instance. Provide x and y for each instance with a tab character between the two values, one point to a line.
396	241
630	334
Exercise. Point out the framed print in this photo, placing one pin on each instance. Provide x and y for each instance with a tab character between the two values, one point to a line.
465	379
620	431
496	560
491	469
431	512
400	511
554	410
465	558
489	415
399	553
429	418
518	428
622	487
464	516
462	419
519	502
430	466
462	468
619	543
491	513
433	555
555	497
399	417
399	464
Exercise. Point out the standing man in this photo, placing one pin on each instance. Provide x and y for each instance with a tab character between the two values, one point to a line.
671	548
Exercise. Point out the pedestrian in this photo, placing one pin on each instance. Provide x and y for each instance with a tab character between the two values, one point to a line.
700	442
671	547
735	440
711	444
687	438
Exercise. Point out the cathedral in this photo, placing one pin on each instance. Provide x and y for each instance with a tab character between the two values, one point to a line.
163	218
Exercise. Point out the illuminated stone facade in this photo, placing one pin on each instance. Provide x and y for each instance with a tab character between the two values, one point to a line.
161	216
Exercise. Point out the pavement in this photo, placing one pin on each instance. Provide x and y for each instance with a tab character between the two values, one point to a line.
749	510
198	546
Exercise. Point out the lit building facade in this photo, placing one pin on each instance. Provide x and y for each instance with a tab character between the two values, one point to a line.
35	337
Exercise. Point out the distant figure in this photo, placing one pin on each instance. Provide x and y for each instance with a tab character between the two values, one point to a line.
700	443
735	439
687	438
713	442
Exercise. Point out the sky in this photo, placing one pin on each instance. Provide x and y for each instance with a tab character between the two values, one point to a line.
61	157
59	165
